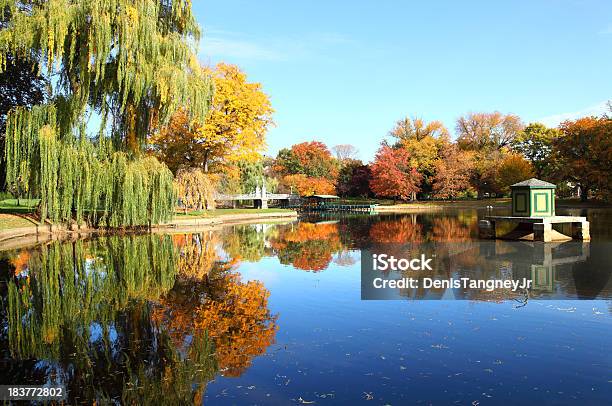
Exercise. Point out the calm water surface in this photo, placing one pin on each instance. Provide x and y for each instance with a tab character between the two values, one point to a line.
271	314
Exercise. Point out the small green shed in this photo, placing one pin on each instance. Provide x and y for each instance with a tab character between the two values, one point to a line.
533	198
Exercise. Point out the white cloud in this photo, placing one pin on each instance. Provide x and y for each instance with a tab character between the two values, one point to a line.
607	30
238	49
594	110
221	44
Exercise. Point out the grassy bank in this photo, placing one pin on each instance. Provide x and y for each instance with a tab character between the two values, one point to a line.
14	225
10	221
225	212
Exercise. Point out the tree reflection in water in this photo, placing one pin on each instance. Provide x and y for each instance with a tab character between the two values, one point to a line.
233	313
130	319
307	246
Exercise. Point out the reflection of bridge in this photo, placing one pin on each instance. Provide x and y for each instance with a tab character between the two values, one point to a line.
259	197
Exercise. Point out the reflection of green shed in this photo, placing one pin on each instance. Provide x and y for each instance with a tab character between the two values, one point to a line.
533	198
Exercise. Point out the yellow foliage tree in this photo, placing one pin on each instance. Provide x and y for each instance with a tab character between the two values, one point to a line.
195	188
234	129
514	168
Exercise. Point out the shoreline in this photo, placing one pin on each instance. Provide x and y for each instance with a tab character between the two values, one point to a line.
20	237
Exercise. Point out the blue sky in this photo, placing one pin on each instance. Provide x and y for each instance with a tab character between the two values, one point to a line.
344	71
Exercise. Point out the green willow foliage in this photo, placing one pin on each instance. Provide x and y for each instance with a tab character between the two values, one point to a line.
131	62
91	183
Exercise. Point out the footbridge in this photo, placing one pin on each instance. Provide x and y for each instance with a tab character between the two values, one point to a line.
260	197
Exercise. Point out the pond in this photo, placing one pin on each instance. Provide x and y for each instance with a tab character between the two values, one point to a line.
272	314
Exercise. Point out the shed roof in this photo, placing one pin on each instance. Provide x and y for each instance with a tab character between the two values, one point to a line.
533	182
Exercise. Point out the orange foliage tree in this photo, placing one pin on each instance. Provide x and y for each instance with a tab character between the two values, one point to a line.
308	168
393	175
584	152
306	186
513	168
453	173
234	129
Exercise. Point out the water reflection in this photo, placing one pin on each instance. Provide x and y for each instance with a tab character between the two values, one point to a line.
307	246
130	319
136	319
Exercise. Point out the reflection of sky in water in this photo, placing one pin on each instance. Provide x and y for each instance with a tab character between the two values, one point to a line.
332	347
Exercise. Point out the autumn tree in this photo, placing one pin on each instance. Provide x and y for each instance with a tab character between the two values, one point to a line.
305	186
584	153
233	130
393	175
535	142
424	142
453	173
312	159
484	171
513	169
360	181
487	131
308	167
417	129
195	188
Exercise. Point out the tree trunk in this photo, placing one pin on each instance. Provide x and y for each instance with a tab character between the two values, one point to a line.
584	194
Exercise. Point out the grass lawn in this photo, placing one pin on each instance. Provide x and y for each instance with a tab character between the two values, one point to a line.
221	212
8	221
24	206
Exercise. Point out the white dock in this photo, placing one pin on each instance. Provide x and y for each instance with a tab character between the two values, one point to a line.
540	226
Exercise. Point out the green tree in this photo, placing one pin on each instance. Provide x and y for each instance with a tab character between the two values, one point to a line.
20	85
535	142
131	63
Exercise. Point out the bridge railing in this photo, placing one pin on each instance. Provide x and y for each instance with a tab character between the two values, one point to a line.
256	196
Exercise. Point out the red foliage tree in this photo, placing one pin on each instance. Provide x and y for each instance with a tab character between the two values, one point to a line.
393	175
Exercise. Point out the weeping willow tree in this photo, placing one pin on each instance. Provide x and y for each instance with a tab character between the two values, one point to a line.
128	63
196	189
